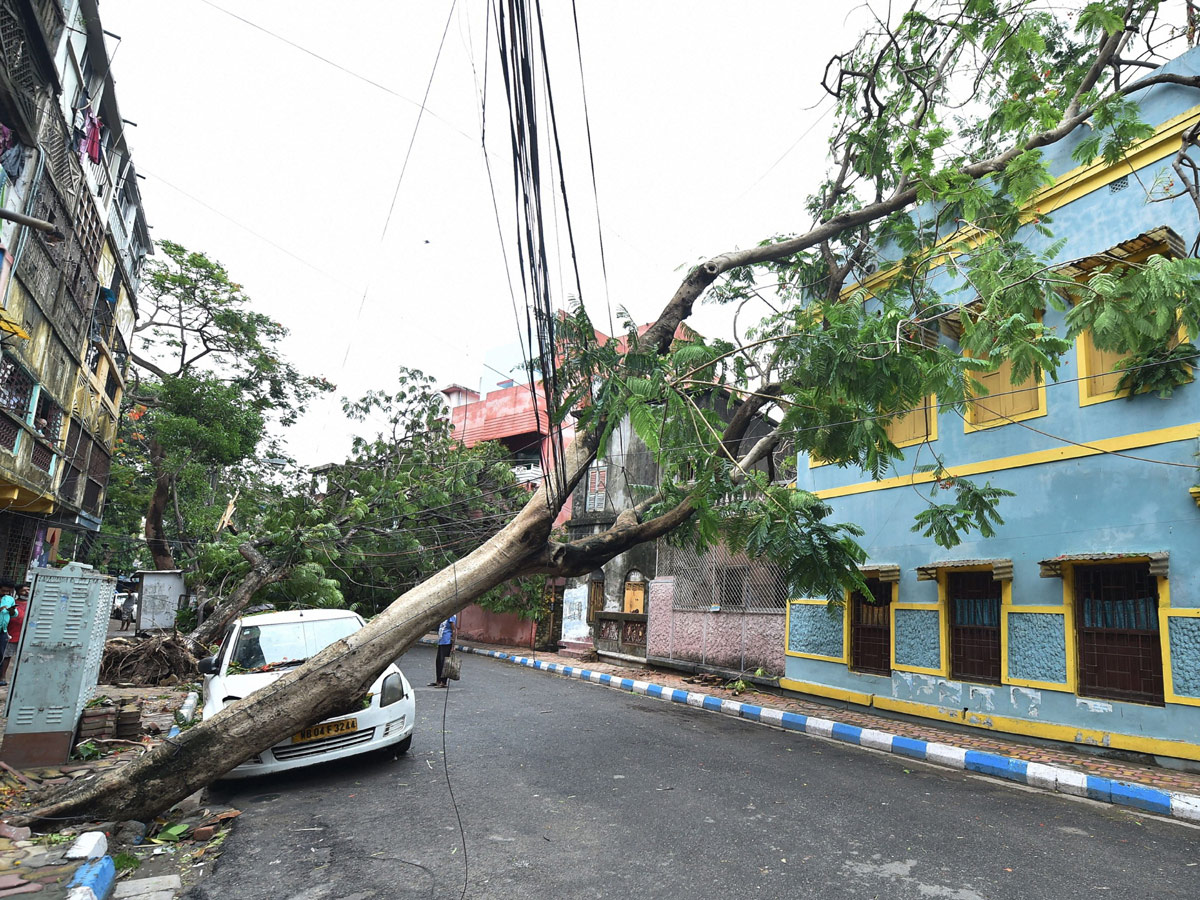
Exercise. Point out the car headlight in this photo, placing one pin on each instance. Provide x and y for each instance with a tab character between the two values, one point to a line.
393	689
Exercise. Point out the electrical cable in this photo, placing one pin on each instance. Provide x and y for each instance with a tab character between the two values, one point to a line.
403	166
446	766
336	65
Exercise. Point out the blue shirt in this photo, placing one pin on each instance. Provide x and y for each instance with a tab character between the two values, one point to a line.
445	633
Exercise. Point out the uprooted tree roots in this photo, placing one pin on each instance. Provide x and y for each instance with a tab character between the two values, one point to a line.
149	660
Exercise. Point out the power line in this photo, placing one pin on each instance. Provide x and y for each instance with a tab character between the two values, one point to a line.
403	168
341	68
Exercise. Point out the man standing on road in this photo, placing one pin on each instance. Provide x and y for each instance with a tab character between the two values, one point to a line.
447	632
128	608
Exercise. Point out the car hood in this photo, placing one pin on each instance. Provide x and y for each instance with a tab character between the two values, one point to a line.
246	683
217	687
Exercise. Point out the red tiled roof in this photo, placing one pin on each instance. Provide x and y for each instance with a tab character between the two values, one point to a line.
508	412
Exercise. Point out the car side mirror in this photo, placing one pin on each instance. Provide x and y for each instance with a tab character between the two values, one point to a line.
208	665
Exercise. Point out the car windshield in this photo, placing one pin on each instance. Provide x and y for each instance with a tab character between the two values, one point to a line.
282	643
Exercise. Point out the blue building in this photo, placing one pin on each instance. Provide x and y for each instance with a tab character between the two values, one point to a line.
1079	620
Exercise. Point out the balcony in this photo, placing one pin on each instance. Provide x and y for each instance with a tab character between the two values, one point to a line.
21	78
62	158
527	474
116	225
50	16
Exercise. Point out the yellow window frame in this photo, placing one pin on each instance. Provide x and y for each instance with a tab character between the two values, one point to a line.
973	420
1085	345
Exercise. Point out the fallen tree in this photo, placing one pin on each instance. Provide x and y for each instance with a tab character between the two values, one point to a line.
836	372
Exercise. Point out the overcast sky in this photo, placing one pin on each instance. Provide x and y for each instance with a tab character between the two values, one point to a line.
707	120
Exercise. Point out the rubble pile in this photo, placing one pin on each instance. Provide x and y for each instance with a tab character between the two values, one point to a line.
147	660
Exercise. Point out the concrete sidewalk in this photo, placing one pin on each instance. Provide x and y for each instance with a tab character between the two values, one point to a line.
1105	778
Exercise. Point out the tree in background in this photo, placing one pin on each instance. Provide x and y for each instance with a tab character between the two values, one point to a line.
941	114
208	377
407	502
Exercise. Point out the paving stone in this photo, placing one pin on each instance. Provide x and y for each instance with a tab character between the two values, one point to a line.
13	833
40	856
140	887
7	881
53	874
30	888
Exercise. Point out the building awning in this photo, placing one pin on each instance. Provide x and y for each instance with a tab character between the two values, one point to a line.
1002	569
889	572
1162	236
9	325
1052	568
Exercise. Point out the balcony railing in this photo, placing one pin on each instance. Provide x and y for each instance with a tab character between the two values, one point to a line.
62	158
527	474
50	16
17	58
116	224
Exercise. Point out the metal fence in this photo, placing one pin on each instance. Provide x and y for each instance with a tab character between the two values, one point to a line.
718	580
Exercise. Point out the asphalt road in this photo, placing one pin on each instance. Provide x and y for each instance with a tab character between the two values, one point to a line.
571	790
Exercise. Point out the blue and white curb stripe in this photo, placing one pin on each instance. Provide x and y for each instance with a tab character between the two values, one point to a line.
1039	775
93	880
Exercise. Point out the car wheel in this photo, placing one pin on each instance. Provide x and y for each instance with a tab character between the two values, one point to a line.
402	747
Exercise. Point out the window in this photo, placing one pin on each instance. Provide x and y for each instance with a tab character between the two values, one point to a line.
16	388
870	629
635	592
1116	624
70	484
289	642
1098	373
597	484
974	610
1004	401
916	426
49	417
595	595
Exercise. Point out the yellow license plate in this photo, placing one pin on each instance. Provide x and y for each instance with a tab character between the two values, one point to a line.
325	729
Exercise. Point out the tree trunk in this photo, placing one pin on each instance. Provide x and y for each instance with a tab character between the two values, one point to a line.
262	573
324	686
156	535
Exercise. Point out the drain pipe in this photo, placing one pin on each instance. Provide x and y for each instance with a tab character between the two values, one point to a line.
40	224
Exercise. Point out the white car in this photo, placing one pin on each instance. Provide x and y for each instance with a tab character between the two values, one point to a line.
257	650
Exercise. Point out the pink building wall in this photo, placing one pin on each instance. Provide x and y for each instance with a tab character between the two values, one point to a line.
741	642
477	624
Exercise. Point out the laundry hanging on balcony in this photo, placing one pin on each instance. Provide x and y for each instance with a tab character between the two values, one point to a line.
13	160
91	138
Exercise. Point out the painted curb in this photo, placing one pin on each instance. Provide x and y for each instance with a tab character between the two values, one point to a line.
93	880
1039	775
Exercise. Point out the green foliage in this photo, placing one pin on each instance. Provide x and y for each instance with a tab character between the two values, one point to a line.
1142	310
125	862
408	501
185	620
525	597
973	509
88	750
209	378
